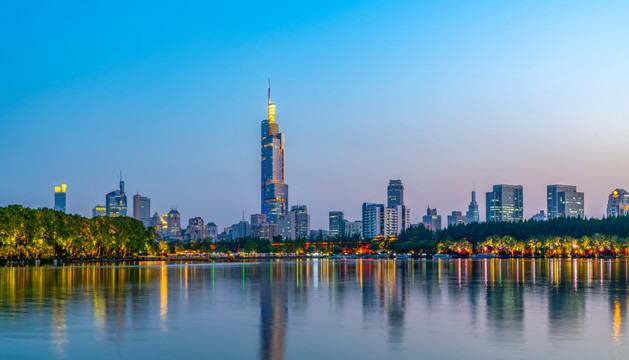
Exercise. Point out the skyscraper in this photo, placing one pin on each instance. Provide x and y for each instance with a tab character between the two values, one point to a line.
274	192
472	210
60	197
116	202
337	224
505	203
456	218
395	193
373	220
142	209
302	221
432	220
564	201
618	203
174	225
99	210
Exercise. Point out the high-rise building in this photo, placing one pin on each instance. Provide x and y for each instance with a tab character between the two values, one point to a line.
471	216
142	209
196	229
286	225
60	197
353	228
395	193
274	192
505	203
116	202
618	203
373	220
173	221
564	201
337	224
212	231
241	230
392	220
457	218
432	220
302	221
99	210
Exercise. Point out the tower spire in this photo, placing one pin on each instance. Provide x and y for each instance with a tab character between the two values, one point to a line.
269	99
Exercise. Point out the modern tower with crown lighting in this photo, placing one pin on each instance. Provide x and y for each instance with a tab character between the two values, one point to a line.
274	192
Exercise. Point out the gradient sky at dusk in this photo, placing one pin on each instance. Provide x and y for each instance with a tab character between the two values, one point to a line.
439	94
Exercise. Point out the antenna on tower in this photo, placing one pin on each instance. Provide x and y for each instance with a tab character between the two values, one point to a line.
269	90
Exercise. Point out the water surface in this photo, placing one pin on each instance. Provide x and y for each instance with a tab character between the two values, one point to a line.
312	309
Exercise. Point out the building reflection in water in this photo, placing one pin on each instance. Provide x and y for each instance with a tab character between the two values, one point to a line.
273	312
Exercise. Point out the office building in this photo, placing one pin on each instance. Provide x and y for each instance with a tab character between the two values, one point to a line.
457	218
274	193
432	220
142	209
241	230
618	203
353	228
116	201
336	224
99	210
373	220
60	198
471	216
286	225
505	203
302	221
395	193
564	201
173	222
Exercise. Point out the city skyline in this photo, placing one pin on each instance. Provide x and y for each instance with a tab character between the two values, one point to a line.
361	94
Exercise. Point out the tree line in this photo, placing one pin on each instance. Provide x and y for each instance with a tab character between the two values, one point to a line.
44	233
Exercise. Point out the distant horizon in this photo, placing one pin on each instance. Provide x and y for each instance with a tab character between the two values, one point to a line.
441	95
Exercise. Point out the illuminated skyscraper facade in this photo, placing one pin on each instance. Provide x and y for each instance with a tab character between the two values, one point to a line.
472	210
116	202
336	224
142	209
60	197
505	203
274	193
564	201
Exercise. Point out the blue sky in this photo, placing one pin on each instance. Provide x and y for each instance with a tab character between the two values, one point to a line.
440	94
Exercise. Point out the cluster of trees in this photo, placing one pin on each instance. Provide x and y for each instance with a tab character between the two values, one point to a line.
561	236
39	234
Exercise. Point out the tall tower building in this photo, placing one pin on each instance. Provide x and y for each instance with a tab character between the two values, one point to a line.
60	197
142	209
337	224
471	216
373	220
274	193
116	202
564	201
395	193
505	203
302	221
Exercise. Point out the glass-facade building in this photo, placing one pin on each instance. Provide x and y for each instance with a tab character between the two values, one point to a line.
116	202
373	220
274	193
618	203
395	193
564	201
505	203
142	209
60	197
337	224
302	221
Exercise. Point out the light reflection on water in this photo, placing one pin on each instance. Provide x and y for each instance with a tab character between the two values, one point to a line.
309	309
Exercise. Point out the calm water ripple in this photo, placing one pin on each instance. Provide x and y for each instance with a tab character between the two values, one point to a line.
310	309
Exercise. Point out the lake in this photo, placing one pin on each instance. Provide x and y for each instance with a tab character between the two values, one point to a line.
313	309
